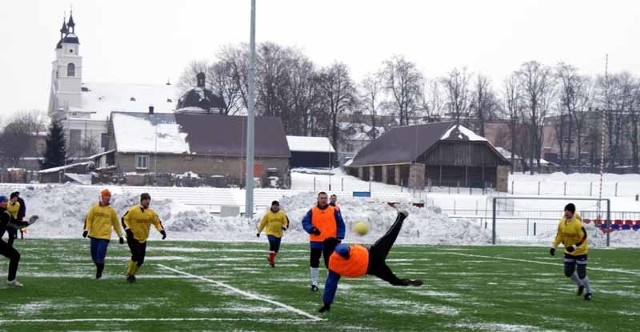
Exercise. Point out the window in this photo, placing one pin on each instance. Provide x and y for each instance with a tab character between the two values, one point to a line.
104	141
142	161
75	139
71	70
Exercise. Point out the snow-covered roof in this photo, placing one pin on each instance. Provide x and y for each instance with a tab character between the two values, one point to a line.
462	133
103	98
146	133
60	168
309	144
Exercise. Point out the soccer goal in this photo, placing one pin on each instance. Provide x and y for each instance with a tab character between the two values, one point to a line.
534	219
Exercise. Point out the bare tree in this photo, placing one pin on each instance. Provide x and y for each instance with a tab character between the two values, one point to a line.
403	82
435	100
302	94
574	96
537	83
338	94
456	85
371	98
484	103
616	98
18	136
512	97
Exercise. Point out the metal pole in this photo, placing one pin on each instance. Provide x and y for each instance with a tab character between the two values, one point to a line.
608	221
493	231
250	115
604	134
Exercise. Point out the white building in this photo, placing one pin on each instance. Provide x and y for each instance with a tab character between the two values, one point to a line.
84	108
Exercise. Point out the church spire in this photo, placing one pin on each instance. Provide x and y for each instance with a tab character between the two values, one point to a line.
71	24
63	30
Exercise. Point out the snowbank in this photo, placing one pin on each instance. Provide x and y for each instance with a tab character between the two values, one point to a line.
62	209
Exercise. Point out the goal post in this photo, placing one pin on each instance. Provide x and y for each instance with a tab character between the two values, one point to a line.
506	199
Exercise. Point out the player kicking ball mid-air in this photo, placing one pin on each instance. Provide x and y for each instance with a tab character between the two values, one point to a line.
354	261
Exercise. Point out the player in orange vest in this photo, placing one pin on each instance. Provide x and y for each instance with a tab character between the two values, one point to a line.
326	229
354	261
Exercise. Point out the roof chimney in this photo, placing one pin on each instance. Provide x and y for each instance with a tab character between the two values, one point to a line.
150	109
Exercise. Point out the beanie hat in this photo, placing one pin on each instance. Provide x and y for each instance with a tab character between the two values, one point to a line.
105	192
570	207
343	250
144	196
275	203
13	194
3	198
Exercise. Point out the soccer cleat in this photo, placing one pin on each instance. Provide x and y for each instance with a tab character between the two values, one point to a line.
314	288
580	290
588	297
415	282
14	283
131	278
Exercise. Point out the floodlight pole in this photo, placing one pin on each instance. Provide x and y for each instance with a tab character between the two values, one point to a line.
250	115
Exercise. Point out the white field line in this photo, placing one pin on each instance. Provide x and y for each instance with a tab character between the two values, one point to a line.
165	319
635	273
244	293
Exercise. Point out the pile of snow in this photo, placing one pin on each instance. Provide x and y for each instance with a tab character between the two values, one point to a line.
62	209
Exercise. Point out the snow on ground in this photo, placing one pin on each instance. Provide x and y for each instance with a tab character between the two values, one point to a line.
448	218
62	209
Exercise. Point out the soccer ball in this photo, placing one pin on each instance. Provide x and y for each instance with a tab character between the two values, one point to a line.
361	228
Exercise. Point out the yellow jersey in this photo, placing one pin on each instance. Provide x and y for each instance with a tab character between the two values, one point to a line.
274	221
139	221
13	208
101	221
570	232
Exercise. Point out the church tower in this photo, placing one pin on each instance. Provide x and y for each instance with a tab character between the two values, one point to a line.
66	75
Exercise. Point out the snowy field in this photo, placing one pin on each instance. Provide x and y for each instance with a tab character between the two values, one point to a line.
448	218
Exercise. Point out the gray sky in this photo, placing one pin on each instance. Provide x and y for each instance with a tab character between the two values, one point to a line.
146	41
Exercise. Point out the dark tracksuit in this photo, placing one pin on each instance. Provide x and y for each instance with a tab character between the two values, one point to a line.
7	222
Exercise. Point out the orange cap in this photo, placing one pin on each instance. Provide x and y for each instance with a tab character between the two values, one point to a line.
105	192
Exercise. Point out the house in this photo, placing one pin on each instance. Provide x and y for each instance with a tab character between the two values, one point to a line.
150	145
316	152
443	154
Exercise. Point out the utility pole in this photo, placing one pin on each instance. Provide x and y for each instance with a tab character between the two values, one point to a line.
250	115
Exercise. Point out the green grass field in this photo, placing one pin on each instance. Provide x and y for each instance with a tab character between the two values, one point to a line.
229	286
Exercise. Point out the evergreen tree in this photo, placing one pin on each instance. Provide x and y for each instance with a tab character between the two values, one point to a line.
55	153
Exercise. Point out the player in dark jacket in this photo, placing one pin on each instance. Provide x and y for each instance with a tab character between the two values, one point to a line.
8	222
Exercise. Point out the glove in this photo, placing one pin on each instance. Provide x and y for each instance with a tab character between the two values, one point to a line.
315	231
571	248
325	307
121	240
257	234
164	234
552	251
85	233
129	233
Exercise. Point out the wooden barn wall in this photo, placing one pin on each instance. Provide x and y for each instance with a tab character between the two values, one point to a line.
461	153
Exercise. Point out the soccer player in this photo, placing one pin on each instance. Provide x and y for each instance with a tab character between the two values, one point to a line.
333	199
574	238
354	261
137	221
8	222
276	221
101	220
14	209
326	229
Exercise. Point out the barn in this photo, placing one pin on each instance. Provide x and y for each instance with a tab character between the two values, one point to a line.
440	154
315	152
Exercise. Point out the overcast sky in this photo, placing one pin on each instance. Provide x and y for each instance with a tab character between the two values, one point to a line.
145	41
